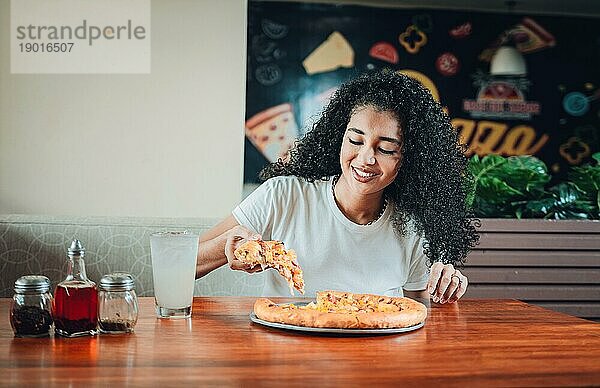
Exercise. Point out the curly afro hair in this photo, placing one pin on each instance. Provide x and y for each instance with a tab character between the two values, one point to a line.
431	186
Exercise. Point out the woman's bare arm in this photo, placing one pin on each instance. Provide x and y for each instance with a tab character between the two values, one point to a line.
211	247
216	247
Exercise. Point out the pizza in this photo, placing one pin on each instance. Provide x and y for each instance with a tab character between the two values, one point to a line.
529	36
273	131
345	310
272	254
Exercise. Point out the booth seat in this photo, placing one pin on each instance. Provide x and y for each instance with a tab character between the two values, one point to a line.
38	245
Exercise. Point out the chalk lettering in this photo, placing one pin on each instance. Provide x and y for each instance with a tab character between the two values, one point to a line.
490	137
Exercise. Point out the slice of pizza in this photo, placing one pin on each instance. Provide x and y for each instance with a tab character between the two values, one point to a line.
529	36
272	254
273	131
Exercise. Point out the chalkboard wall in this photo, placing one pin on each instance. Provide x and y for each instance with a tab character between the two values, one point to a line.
299	53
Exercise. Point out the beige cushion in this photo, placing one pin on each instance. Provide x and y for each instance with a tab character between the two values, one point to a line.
38	245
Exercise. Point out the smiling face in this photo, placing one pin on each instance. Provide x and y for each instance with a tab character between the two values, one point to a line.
370	156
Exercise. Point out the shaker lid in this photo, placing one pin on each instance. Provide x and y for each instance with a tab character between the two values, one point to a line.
76	248
32	283
117	281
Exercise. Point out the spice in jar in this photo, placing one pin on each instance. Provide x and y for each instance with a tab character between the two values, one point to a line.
117	304
31	308
116	325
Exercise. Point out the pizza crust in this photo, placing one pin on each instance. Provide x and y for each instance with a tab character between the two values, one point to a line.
411	313
268	310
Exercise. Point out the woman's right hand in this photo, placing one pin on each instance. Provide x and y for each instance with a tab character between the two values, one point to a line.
236	236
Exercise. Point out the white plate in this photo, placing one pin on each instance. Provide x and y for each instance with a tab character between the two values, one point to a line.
332	330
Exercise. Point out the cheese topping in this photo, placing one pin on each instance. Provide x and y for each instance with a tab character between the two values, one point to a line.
347	303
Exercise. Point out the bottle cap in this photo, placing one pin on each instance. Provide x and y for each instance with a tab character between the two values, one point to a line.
32	283
117	281
76	248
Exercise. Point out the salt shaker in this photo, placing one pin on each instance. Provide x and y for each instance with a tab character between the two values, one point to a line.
117	304
31	307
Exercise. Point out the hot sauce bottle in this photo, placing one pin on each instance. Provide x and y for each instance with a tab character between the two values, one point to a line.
76	298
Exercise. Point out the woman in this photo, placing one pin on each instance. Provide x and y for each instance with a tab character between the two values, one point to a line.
369	198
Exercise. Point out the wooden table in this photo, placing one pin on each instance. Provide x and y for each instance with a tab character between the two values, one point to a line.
474	342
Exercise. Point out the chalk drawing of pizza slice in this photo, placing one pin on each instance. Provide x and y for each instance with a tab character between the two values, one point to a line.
333	53
528	36
273	131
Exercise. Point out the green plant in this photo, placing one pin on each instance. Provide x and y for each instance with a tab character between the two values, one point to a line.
587	181
515	187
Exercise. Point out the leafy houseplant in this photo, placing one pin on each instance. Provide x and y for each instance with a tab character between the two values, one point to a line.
515	187
587	181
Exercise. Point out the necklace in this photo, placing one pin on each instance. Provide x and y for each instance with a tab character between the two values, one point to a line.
385	201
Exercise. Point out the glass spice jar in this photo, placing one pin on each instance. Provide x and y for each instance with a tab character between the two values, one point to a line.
31	307
117	304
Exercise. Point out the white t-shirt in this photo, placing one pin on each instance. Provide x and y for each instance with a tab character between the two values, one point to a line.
334	252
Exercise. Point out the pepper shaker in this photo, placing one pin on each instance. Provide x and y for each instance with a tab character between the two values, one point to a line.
117	304
31	307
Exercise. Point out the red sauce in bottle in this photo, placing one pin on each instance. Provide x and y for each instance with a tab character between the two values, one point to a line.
75	308
76	298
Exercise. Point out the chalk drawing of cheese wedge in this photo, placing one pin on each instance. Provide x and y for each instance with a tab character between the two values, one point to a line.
333	53
273	131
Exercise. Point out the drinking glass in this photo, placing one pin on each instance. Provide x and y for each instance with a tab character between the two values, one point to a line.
174	271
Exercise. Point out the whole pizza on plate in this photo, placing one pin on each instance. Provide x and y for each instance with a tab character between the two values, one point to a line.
345	310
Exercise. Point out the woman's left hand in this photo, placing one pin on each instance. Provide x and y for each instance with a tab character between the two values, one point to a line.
446	284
